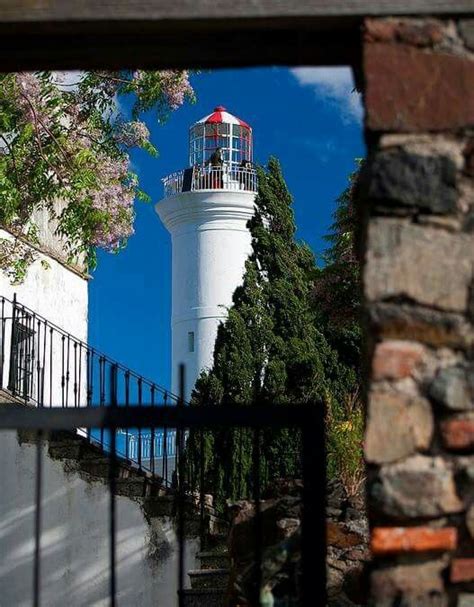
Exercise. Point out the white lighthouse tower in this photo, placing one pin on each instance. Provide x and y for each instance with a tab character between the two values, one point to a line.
206	208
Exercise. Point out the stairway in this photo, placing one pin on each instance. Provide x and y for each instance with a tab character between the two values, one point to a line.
209	584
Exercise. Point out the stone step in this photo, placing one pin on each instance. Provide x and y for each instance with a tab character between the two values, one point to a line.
209	578
216	542
131	487
66	449
99	466
214	560
204	597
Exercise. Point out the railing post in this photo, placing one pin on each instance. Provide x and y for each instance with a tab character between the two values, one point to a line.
13	350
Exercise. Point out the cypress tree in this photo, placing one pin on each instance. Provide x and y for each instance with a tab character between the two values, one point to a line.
337	303
269	351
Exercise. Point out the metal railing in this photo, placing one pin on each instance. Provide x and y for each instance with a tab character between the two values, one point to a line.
44	366
111	410
224	177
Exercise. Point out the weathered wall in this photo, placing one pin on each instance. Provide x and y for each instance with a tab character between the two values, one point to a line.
58	293
74	541
418	192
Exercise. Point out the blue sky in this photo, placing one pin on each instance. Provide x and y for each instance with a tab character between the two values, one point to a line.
307	117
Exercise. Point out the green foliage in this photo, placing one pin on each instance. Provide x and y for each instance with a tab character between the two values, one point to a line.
336	303
271	350
64	151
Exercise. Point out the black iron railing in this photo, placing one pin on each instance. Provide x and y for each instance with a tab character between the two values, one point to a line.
110	410
44	366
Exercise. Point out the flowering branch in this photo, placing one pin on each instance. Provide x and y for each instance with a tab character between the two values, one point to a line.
83	146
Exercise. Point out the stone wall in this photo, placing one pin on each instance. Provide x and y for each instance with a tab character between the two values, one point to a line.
418	205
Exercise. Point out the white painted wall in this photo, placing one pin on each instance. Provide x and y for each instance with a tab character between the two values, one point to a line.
210	243
74	541
60	295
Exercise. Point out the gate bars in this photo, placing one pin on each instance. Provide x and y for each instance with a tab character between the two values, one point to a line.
308	418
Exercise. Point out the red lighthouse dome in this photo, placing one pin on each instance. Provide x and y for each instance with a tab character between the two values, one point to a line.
222	131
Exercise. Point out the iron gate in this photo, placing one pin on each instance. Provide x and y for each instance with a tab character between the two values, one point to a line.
111	408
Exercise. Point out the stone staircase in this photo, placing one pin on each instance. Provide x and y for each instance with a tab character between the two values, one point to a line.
209	584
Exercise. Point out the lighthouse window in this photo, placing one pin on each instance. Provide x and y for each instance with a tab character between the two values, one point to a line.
191	341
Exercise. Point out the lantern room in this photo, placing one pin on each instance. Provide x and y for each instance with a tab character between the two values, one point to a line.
220	135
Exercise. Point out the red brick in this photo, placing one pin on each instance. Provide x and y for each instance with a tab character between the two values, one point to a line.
396	540
462	570
395	359
424	33
412	90
458	434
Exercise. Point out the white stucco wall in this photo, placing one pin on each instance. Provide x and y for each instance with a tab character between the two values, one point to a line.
74	541
210	244
60	295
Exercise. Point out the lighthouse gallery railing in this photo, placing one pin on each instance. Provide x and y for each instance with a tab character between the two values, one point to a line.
234	179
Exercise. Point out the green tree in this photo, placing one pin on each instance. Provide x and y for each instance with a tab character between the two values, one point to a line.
269	351
64	151
336	304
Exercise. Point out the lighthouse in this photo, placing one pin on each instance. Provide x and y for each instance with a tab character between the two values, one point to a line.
206	207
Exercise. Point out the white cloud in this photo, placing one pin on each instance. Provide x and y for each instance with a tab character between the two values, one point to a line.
334	85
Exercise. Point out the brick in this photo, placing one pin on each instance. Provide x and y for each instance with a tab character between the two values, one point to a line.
396	359
396	540
462	570
422	264
458	434
396	177
411	90
418	33
420	486
397	425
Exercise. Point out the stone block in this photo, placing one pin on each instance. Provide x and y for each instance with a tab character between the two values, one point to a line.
412	180
426	265
397	426
469	158
458	434
431	327
399	540
419	487
453	387
466	30
462	570
408	89
426	32
470	520
396	359
419	584
465	600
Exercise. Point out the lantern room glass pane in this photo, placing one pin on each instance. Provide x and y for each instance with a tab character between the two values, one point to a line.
234	140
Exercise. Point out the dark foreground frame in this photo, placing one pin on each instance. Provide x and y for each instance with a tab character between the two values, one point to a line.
309	419
187	34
